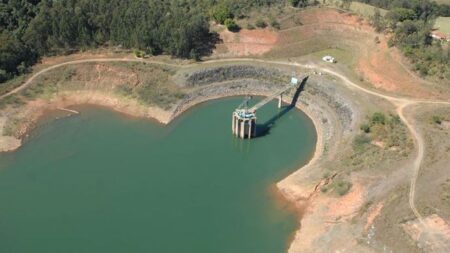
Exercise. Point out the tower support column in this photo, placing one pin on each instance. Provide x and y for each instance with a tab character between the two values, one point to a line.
243	124
250	129
238	126
233	123
242	133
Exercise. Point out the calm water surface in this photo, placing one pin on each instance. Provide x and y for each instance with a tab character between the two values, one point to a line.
100	182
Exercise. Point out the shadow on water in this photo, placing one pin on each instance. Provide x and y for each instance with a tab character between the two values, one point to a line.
264	129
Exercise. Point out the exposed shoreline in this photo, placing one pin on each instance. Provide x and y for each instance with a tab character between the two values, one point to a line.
36	110
134	109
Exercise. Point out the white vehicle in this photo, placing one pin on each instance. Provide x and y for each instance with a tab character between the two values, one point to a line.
329	59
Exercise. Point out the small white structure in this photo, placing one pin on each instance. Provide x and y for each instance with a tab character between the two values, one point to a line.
294	81
329	59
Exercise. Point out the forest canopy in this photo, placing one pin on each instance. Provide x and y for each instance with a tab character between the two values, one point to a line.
30	29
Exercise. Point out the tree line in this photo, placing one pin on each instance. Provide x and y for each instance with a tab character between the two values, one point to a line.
30	29
421	7
411	23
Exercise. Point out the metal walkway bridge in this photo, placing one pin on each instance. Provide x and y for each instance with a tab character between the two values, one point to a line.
269	98
244	118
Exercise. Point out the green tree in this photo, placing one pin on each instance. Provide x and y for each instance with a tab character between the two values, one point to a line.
299	3
231	25
399	15
377	118
346	4
221	13
33	28
377	21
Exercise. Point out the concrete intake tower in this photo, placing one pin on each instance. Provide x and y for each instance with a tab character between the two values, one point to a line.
243	122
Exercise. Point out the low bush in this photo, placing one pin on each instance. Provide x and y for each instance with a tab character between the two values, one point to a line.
365	128
261	23
342	187
231	25
139	53
361	141
250	26
436	119
275	24
377	118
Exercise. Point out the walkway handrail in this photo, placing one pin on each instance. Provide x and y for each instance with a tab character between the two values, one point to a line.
268	99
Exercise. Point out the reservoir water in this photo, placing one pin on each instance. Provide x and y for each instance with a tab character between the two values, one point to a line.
101	182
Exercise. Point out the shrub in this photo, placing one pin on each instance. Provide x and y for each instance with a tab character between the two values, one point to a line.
124	90
377	40
436	119
3	75
297	21
222	13
250	26
299	3
138	53
395	120
275	24
231	25
294	3
342	187
378	118
261	23
365	127
360	142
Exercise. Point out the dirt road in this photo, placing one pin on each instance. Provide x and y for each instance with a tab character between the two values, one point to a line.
399	102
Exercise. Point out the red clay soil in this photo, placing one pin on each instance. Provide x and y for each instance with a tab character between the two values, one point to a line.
377	64
383	69
433	235
249	42
329	16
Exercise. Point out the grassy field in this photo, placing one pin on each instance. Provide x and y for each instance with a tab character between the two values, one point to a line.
443	1
443	24
340	54
362	9
433	191
147	83
365	9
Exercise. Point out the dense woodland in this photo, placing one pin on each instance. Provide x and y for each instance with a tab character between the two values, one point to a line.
31	29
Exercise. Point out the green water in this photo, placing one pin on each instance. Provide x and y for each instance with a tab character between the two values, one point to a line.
100	182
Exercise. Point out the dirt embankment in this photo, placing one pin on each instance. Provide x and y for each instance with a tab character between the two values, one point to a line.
246	42
334	110
366	52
